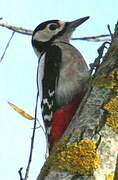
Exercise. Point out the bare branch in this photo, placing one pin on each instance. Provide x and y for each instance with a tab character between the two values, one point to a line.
17	29
29	32
7	46
95	38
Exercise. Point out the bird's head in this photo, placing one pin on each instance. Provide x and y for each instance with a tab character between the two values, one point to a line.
54	30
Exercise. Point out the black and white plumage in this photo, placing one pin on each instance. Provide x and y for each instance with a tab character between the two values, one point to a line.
62	70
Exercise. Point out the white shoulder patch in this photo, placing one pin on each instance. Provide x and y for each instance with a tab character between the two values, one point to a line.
41	75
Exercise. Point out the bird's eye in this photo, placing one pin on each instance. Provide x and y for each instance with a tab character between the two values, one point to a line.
53	26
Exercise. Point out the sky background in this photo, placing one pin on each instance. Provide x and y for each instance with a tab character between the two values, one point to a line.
18	71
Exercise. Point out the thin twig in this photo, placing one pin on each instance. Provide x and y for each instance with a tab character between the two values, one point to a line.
29	32
7	46
40	126
95	38
116	170
32	140
20	173
33	133
34	128
109	30
108	26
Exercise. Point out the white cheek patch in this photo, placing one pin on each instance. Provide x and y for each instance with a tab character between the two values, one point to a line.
46	34
42	36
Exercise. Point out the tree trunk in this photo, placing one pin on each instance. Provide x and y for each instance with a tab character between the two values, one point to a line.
88	150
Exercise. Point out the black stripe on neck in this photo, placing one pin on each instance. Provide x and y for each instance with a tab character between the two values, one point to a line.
41	46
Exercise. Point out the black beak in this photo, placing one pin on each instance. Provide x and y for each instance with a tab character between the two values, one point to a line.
72	25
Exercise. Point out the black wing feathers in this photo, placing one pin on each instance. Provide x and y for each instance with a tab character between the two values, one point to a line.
51	76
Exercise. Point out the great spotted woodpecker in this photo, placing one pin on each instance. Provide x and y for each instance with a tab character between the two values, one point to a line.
62	74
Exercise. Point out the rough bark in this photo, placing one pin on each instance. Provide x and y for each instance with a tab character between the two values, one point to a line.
95	121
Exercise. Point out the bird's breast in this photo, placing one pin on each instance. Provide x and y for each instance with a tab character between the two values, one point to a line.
73	75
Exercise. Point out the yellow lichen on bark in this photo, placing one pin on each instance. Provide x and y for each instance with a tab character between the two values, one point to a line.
109	176
77	157
112	108
109	81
